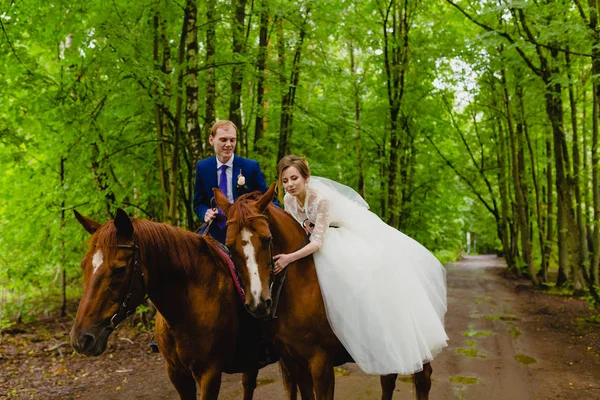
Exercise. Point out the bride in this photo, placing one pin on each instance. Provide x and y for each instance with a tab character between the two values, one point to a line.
384	293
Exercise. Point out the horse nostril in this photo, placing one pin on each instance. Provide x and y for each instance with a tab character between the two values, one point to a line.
247	307
87	342
268	302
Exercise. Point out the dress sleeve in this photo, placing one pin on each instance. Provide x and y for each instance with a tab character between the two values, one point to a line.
290	206
321	222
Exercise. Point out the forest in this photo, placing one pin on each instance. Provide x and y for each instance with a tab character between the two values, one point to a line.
448	117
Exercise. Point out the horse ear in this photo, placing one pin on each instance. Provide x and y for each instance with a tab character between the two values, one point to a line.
123	223
222	201
89	224
266	198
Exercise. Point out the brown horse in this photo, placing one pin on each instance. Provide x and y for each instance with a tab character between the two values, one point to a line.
257	230
201	328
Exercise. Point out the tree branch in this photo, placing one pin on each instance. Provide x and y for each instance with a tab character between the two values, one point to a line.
505	35
469	182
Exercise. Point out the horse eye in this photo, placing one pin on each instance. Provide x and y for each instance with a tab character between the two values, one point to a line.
119	271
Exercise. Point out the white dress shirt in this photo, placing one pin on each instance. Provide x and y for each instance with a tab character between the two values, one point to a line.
229	172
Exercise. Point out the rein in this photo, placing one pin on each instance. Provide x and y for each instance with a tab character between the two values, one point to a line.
122	311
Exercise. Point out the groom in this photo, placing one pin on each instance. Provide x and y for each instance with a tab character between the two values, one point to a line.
232	174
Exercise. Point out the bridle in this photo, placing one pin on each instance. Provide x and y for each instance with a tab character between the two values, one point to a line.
122	311
271	262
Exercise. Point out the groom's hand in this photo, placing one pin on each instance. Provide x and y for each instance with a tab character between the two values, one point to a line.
211	213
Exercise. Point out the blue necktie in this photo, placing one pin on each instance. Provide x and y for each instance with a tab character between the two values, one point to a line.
221	219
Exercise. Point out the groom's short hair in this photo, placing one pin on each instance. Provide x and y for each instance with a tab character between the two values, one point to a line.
222	124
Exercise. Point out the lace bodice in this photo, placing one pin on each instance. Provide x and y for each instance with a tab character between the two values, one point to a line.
316	209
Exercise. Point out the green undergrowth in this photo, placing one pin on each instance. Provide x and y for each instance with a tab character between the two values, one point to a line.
447	256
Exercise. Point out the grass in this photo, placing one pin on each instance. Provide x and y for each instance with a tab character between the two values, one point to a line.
470	352
464	380
523	359
477	333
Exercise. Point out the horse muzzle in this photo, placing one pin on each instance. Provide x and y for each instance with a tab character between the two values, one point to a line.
90	343
259	309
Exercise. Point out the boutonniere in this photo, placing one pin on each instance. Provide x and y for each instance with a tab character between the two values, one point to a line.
241	180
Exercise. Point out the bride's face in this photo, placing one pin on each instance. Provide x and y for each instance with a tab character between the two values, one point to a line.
293	181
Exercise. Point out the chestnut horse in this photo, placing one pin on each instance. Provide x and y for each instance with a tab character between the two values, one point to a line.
201	326
258	230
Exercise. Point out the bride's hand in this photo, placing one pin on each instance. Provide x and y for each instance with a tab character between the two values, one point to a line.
308	227
281	261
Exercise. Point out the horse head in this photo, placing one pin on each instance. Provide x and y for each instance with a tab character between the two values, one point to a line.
113	282
251	245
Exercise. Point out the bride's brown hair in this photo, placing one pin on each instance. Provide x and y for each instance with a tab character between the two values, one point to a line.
291	161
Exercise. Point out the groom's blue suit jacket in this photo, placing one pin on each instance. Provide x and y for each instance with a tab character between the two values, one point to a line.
206	180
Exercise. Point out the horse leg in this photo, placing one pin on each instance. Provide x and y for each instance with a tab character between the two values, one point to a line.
249	383
422	381
305	384
210	384
388	384
288	376
323	377
289	379
294	377
184	383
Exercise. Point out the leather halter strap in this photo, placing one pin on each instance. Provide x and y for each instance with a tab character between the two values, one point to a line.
123	312
271	262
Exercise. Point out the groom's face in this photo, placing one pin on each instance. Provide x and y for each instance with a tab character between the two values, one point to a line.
224	143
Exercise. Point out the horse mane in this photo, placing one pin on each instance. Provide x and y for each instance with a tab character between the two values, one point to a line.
242	210
163	245
244	213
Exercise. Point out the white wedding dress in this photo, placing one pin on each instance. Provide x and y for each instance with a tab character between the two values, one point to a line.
384	293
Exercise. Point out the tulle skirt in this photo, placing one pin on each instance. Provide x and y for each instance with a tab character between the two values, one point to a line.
385	295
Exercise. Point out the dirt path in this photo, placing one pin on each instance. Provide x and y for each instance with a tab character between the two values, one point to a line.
506	342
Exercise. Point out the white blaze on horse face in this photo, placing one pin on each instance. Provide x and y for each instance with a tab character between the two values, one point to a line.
252	265
97	260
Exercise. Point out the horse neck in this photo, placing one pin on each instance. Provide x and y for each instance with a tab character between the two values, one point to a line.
176	263
287	233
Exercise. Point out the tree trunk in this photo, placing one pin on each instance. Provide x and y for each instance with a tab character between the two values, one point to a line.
209	108
194	137
191	107
159	121
593	5
526	242
518	177
237	72
539	213
289	97
581	225
261	59
173	195
357	136
554	110
63	307
561	278
395	53
502	228
596	181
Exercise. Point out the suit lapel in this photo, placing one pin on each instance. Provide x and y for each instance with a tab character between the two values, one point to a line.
237	166
211	176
